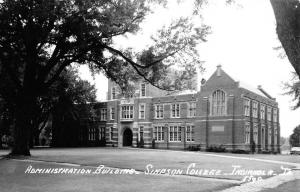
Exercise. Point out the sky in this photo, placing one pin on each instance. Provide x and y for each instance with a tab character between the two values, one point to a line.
242	41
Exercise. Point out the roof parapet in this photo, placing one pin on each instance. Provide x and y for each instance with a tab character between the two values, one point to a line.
259	87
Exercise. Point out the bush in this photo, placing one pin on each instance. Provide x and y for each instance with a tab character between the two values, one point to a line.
153	143
194	148
266	152
216	148
240	151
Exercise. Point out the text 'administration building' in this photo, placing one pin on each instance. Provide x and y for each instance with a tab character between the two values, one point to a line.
225	112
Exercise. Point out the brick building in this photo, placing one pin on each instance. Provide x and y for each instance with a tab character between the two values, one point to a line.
224	112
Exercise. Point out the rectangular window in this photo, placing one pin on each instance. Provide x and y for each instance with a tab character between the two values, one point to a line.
263	137
247	133
101	133
255	134
254	109
192	109
158	133
275	136
111	133
247	107
275	115
174	133
189	133
269	113
127	112
112	113
262	111
113	93
142	111
141	133
92	134
270	136
159	111
175	108
143	90
103	114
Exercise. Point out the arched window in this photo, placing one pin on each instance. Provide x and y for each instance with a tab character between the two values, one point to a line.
218	103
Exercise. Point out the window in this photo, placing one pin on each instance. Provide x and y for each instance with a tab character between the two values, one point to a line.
113	93
159	111
112	113
174	133
189	133
254	109
275	136
275	115
158	133
255	134
263	137
101	133
127	112
192	109
141	133
218	103
92	134
247	107
175	110
269	112
143	90
103	114
262	112
270	136
111	133
142	111
247	133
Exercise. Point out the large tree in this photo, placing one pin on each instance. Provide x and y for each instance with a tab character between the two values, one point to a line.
287	15
295	137
40	38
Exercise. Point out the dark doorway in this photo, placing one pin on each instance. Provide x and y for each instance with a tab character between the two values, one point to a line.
127	137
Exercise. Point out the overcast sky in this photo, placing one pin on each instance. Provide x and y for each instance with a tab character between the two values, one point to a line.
242	41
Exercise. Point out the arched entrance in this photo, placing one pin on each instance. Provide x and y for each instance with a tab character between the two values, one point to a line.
127	137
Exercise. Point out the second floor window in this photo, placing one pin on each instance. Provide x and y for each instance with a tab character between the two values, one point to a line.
275	115
254	109
142	111
247	107
127	112
192	109
112	113
103	114
269	113
143	90
175	110
218	103
262	112
159	111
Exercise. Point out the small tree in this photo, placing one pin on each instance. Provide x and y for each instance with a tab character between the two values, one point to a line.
295	137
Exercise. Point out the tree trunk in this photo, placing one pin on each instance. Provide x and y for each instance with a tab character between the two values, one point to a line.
23	126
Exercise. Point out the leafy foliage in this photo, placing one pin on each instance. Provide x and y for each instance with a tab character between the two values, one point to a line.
293	89
295	137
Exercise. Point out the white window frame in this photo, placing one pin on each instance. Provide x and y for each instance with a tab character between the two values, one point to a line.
189	133
175	110
127	112
254	109
92	134
269	113
247	133
262	111
111	133
218	103
158	133
192	106
142	113
101	133
175	133
103	114
158	111
247	107
143	90
112	113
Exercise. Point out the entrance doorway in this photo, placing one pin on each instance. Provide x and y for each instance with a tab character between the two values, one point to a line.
127	137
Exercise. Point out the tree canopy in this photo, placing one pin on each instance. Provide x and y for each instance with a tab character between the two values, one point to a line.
40	38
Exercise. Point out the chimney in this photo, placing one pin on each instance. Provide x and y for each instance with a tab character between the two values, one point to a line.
219	67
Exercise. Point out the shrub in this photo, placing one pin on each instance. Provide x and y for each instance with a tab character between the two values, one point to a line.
240	151
194	148
216	148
